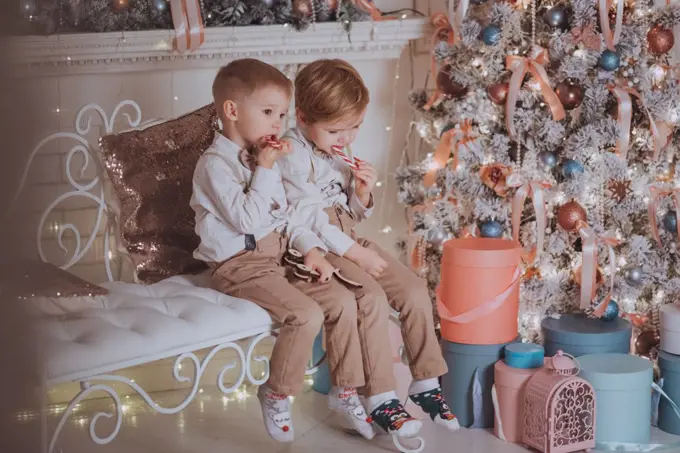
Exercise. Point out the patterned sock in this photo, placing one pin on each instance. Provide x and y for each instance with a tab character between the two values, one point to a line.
393	418
432	403
276	414
345	401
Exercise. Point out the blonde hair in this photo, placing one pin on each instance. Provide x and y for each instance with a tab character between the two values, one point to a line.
329	90
242	77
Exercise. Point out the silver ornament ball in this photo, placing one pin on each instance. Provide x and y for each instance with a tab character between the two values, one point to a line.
434	192
267	3
160	5
634	276
436	236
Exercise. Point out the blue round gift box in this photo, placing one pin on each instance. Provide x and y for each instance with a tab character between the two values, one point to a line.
669	364
463	361
524	355
578	335
623	396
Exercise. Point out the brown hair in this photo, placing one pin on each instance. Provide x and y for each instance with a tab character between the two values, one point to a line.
242	77
328	90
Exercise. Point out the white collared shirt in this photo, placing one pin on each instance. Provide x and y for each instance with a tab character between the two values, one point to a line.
315	182
230	200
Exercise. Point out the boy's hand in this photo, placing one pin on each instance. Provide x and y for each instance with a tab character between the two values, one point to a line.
365	178
317	262
366	259
270	150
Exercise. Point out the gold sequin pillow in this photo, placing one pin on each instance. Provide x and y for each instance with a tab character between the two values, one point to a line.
151	171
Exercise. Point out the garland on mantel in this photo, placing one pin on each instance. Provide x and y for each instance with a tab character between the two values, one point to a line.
70	16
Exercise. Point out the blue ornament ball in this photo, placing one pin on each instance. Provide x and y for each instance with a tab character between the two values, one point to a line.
571	168
491	229
491	34
478	2
548	159
612	311
670	221
610	61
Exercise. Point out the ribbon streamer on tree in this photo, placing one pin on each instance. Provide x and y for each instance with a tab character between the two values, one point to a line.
656	194
189	31
534	65
456	17
624	118
443	31
524	189
611	38
369	7
589	240
416	243
449	143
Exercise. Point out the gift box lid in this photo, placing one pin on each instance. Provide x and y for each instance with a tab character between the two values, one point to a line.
609	372
668	361
481	252
475	349
524	355
669	316
578	329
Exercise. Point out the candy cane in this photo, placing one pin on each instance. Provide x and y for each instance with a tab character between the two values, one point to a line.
353	164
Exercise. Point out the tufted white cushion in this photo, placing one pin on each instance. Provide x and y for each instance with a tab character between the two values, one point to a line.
139	324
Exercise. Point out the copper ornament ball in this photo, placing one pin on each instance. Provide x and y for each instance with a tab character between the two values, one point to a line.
569	215
302	8
498	92
660	40
448	86
645	342
570	94
121	5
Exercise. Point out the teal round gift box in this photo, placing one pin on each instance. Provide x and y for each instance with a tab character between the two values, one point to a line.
322	377
579	335
669	364
524	355
458	385
623	396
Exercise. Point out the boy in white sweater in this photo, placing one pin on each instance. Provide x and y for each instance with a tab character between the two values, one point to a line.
246	225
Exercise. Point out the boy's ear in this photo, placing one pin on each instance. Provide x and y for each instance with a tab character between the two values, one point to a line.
299	117
229	110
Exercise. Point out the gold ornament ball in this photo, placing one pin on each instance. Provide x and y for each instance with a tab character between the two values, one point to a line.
302	8
570	94
448	86
660	40
498	92
121	5
645	342
569	215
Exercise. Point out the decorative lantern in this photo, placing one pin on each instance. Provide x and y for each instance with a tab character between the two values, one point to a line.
559	408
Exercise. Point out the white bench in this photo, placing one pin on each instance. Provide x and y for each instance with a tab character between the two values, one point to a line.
137	324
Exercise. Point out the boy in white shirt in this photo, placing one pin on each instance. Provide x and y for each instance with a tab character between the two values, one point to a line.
333	195
246	225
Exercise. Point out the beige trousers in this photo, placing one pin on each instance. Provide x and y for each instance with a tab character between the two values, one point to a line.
301	308
407	294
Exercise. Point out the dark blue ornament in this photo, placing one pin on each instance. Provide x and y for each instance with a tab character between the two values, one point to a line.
670	221
160	5
610	61
478	2
556	17
612	311
548	159
491	229
491	34
571	168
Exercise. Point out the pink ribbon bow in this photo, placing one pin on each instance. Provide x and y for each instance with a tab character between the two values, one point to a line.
589	266
534	65
624	118
186	16
656	194
449	143
524	189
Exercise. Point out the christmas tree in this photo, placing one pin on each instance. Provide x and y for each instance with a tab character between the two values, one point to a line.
553	123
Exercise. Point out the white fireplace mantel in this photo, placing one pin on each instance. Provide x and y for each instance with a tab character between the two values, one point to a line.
96	53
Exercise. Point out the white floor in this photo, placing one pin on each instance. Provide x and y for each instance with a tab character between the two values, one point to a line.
215	423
